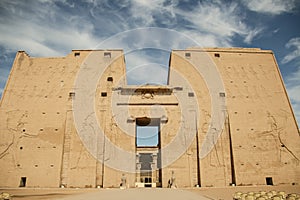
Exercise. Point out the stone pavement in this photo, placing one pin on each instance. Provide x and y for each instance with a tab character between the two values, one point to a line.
139	194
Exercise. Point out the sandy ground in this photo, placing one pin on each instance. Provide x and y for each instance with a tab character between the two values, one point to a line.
227	193
139	193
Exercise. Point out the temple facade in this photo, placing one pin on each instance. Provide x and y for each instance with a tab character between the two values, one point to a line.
222	119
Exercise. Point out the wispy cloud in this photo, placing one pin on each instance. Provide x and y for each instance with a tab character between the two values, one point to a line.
220	21
293	79
54	27
273	7
47	28
149	13
147	66
251	34
42	33
293	88
293	43
4	72
149	73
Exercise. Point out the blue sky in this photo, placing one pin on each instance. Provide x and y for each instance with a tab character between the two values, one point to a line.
53	28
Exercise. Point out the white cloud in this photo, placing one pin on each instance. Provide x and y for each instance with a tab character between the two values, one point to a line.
216	21
144	11
147	66
43	29
207	40
293	79
294	93
292	43
293	88
145	56
53	27
252	34
39	36
4	72
219	22
212	18
142	17
149	73
273	7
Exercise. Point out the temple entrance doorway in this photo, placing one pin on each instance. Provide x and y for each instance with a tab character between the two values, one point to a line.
148	159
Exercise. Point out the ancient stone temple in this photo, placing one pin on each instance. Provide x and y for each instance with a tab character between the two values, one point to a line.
224	118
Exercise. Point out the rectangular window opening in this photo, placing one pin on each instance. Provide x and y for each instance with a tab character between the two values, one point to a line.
103	94
191	94
107	54
23	182
110	79
76	54
178	88
187	55
269	180
217	55
222	94
72	95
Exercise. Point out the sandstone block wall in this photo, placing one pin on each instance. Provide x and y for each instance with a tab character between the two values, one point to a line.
254	138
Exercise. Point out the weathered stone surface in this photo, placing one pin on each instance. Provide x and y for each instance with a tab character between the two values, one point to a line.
253	139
